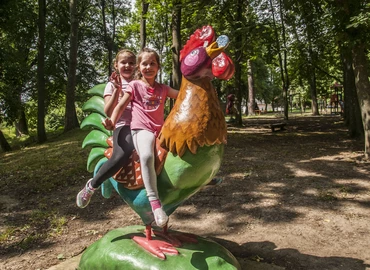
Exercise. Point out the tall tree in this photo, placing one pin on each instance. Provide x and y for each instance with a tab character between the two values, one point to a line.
286	81
41	133
17	58
21	127
113	14
71	121
144	11
352	24
251	89
239	54
352	111
176	44
308	26
311	73
360	67
108	40
282	54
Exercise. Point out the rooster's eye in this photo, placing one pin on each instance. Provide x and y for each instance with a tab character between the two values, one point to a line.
192	58
194	52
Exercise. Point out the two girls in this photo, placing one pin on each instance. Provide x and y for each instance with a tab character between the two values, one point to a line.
147	98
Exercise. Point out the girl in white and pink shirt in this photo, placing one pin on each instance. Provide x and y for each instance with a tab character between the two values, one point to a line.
124	65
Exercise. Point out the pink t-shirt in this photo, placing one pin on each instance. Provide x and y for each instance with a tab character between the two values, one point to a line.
125	118
147	105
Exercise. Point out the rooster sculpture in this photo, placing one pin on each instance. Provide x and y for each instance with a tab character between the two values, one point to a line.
190	145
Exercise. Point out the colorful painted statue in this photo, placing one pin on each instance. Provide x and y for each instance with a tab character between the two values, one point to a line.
190	145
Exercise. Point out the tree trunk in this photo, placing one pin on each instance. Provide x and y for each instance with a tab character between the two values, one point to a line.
109	41
282	61
21	127
144	11
41	133
363	90
238	57
286	81
312	75
71	120
352	113
4	143
176	45
312	80
251	92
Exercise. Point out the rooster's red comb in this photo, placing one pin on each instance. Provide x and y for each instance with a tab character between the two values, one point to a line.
201	37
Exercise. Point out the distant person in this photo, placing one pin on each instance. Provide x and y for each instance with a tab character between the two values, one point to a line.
341	104
231	108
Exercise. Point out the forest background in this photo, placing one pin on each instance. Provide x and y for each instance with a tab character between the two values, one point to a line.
287	53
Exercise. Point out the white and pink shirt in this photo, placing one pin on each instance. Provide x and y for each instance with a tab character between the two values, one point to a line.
125	118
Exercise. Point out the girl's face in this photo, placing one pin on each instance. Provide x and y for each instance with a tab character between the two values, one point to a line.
125	65
149	66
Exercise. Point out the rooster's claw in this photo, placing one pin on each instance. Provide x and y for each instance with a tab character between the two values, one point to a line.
156	247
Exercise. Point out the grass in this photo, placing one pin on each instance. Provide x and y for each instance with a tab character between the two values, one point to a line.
30	172
327	196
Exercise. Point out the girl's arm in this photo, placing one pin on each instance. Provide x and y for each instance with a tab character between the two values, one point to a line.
172	93
121	106
110	102
117	112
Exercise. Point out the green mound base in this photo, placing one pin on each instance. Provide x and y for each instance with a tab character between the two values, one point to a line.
116	250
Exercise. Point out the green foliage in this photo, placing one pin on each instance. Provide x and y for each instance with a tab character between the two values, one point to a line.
7	234
17	44
360	23
314	31
55	119
362	20
31	114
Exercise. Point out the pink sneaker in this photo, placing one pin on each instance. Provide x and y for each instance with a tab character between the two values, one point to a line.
84	196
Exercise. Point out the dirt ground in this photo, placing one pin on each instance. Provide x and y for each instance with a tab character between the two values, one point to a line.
298	198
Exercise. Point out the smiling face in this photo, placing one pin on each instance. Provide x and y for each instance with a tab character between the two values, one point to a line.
125	65
149	66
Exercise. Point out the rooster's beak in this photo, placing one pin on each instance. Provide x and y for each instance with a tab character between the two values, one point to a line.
218	46
213	50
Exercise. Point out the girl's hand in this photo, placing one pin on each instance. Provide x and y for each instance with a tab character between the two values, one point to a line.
108	124
116	80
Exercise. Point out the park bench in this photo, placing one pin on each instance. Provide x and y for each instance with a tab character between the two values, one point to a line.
279	126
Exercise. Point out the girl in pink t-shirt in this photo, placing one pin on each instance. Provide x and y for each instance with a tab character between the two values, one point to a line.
147	98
